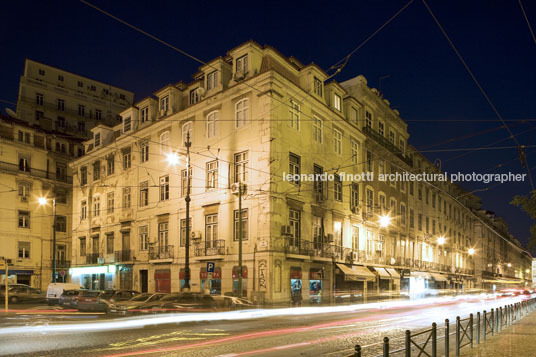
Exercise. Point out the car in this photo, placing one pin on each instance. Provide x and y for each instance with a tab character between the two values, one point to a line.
132	305
87	300
69	297
55	290
181	302
21	293
104	300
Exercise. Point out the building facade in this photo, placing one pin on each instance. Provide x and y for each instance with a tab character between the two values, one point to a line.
331	229
33	165
58	100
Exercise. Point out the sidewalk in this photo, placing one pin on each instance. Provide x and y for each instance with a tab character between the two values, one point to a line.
517	340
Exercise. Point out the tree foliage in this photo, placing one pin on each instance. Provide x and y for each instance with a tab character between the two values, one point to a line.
528	204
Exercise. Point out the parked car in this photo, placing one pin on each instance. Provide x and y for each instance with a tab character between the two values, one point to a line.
21	293
69	297
87	301
134	303
55	290
181	302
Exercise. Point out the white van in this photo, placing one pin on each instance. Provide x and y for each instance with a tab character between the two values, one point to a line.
55	290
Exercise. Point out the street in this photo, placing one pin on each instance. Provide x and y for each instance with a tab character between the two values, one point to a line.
307	331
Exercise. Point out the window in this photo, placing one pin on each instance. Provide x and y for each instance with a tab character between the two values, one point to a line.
81	110
24	191
368	119
61	197
110	243
127	124
96	206
24	219
427	225
126	197
96	170
392	137
318	184
241	112
126	158
370	200
41	72
212	80
317	129
433	200
212	174
211	227
60	78
419	221
294	219
411	188
184	182
144	114
242	64
294	167
403	214
194	96
381	128
337	141
353	115
212	119
402	146
38	99
186	129
244	224
83	210
433	226
382	199
419	191
164	188
60	122
337	188
144	193
294	113
163	234
144	237
24	250
369	161
92	88
110	164
411	218
110	202
354	198
164	145
355	152
82	246
337	102
355	237
381	167
39	115
81	126
317	86
318	235
164	104
61	223
183	231
241	167
61	105
80	84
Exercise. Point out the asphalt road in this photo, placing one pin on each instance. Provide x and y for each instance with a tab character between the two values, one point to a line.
315	331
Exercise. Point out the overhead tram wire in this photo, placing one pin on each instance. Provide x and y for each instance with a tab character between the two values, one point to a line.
499	116
527	21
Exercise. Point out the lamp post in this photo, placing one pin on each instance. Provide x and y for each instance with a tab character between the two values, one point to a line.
43	201
187	199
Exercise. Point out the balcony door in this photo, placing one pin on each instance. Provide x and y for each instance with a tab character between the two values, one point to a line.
125	241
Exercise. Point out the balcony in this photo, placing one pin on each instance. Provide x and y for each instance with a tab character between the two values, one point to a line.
299	247
14	168
209	248
92	258
160	252
382	140
63	264
124	255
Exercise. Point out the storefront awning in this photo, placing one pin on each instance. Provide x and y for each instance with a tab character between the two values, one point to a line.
393	273
382	273
356	272
16	272
438	277
501	281
420	274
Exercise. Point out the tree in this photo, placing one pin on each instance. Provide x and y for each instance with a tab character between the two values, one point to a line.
528	204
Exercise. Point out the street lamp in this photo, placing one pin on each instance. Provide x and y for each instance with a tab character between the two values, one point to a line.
43	201
172	158
509	265
385	221
471	251
441	240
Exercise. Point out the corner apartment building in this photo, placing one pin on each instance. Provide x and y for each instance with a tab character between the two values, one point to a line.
253	117
58	100
34	164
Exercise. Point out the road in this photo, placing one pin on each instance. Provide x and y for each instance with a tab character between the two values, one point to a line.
314	331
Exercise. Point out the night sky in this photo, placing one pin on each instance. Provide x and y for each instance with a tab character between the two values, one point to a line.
427	83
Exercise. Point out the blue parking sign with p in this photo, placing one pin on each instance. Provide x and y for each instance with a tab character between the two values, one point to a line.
210	267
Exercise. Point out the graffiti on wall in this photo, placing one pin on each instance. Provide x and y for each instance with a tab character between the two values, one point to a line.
262	274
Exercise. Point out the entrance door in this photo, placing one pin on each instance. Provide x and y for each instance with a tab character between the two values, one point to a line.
144	281
162	279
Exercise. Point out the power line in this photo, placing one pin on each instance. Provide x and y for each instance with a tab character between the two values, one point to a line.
527	21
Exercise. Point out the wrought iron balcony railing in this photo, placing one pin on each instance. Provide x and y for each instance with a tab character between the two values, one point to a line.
209	247
160	252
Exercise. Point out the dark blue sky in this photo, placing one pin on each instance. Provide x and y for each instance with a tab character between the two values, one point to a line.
427	83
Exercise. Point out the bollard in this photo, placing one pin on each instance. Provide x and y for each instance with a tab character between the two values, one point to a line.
447	336
492	321
386	347
457	336
408	343
485	325
357	351
500	319
471	329
478	327
434	340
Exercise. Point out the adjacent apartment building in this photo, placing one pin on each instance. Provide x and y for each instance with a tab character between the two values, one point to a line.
253	117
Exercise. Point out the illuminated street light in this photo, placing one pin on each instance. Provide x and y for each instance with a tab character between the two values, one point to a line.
509	265
385	221
42	200
172	158
441	240
471	251
527	271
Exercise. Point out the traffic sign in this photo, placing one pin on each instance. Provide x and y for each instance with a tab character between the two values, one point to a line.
210	267
62	273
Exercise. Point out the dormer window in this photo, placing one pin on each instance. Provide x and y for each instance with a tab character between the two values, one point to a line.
194	96
242	65
212	80
144	114
317	86
127	124
164	104
337	102
97	139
